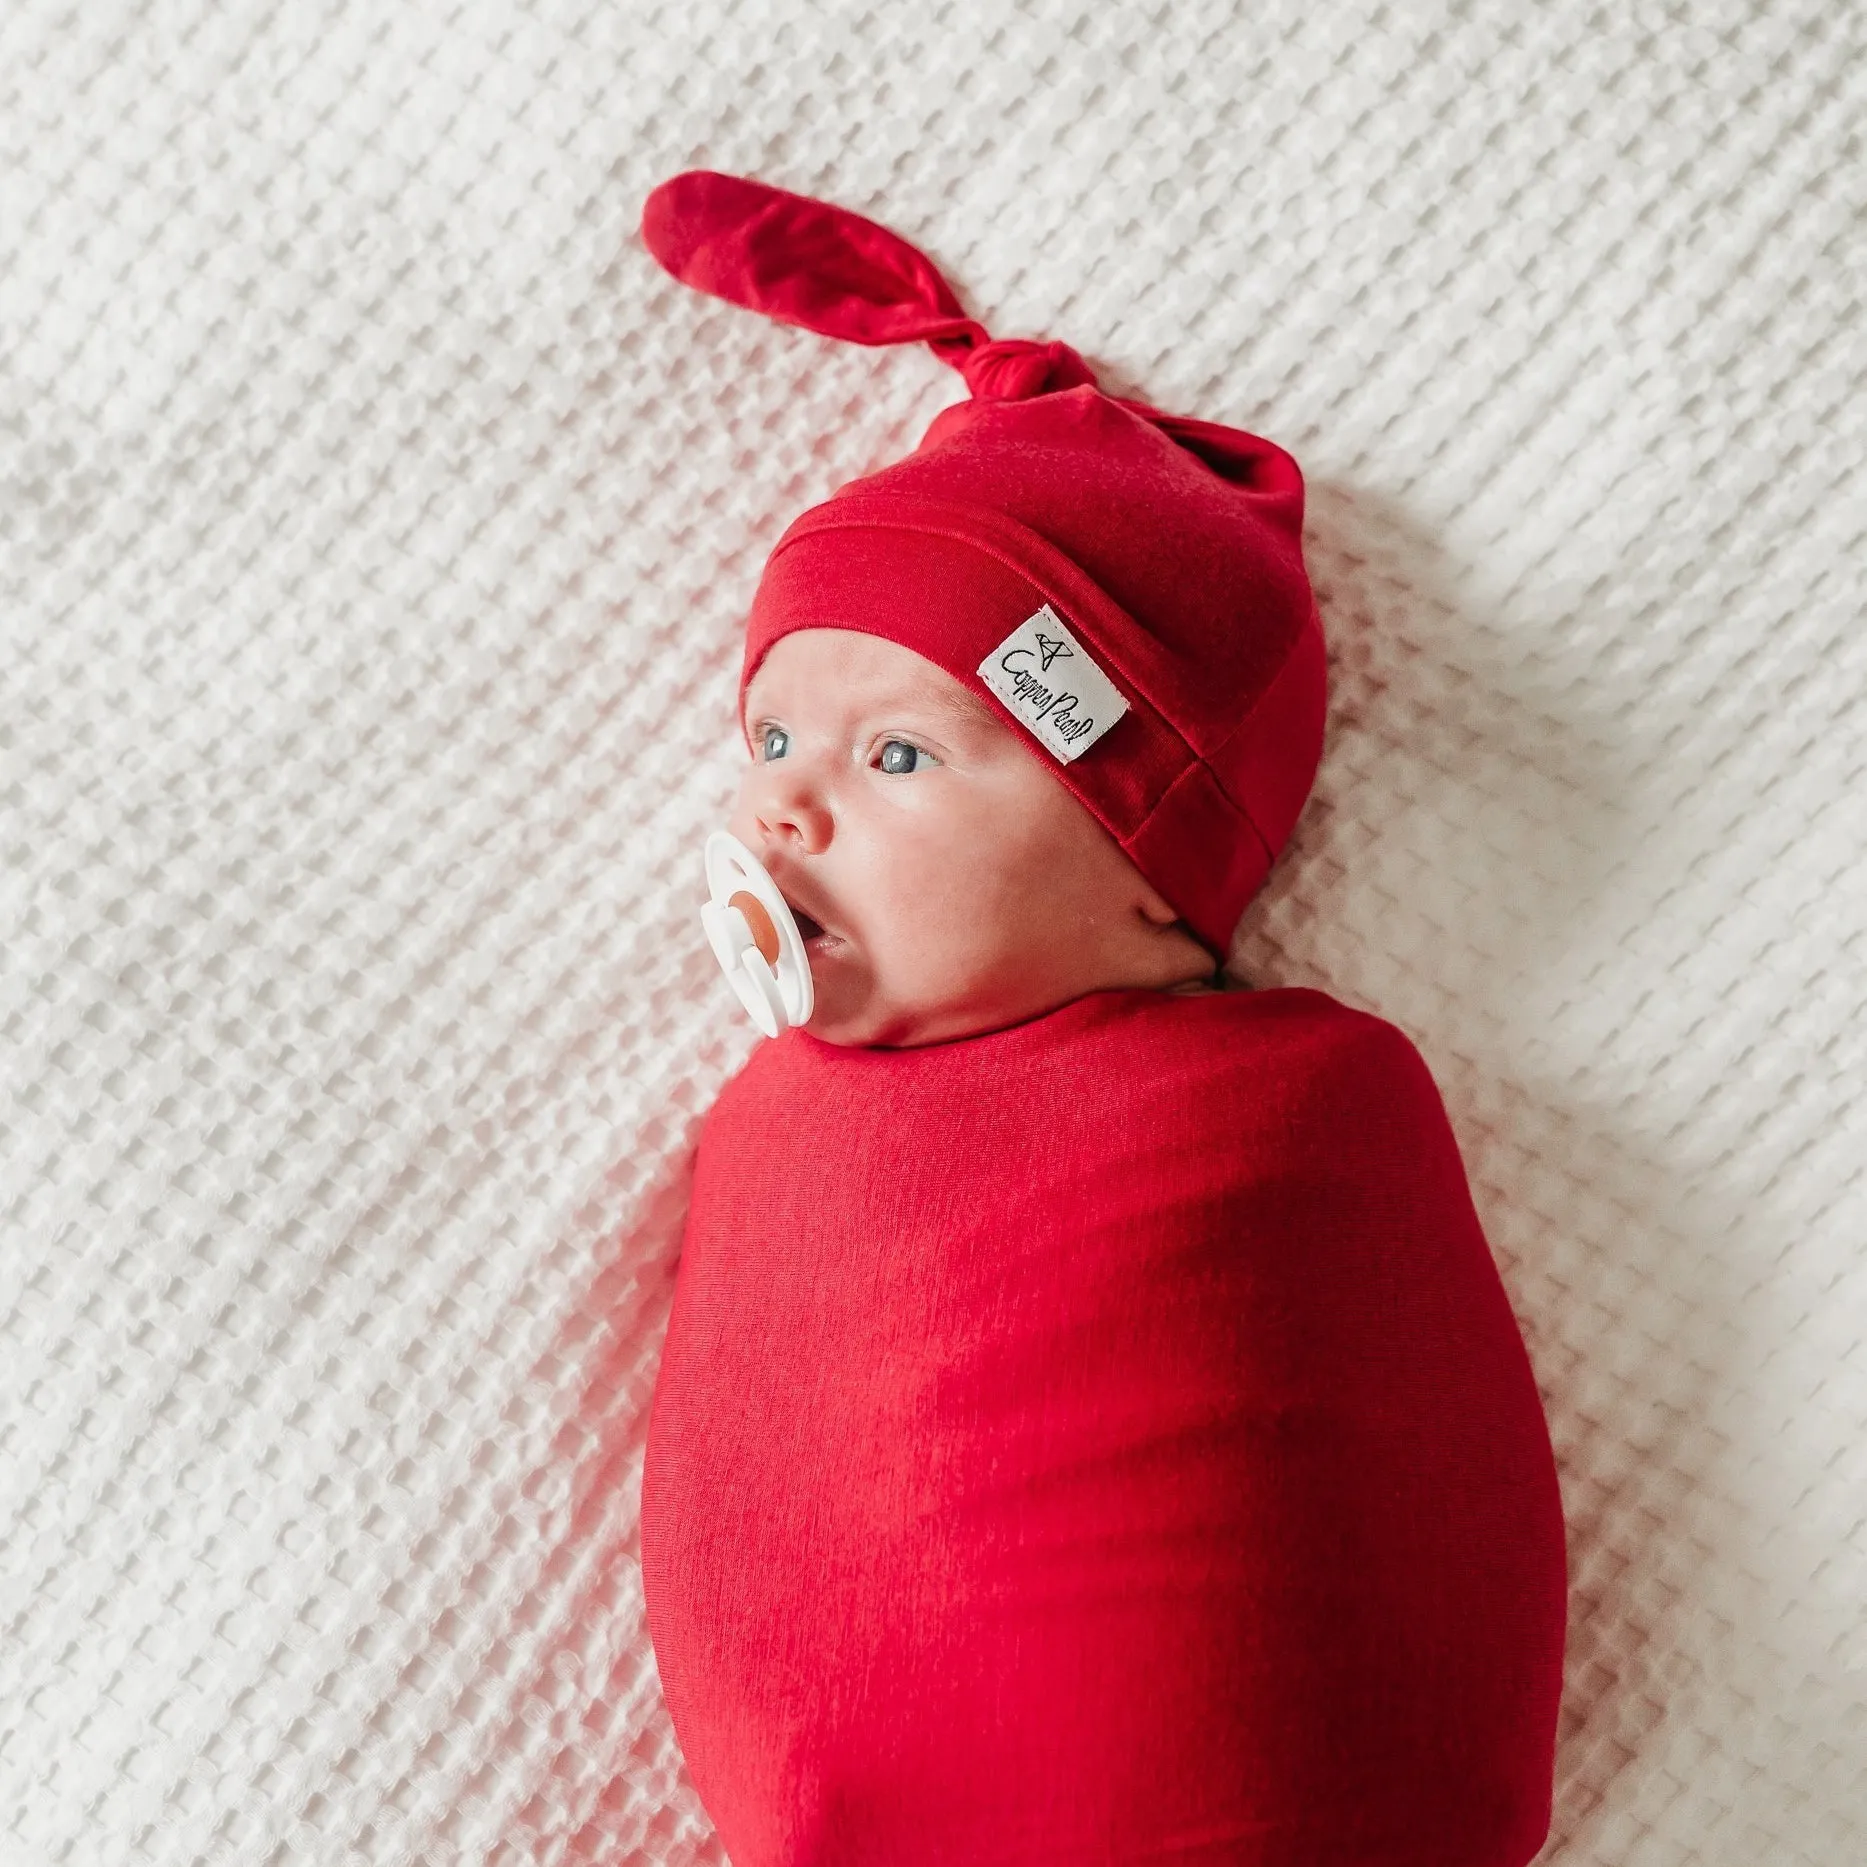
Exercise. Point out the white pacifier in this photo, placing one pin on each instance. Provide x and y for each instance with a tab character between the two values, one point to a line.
755	936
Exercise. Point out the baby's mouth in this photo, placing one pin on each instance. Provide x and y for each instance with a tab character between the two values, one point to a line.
811	928
818	938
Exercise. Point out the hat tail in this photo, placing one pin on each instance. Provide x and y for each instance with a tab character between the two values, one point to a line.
806	262
802	262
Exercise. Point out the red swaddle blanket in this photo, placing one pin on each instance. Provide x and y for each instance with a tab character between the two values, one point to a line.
1105	1438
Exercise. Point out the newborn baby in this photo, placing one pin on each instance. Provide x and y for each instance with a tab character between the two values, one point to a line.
1091	1427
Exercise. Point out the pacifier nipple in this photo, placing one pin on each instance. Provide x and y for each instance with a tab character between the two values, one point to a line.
754	936
764	934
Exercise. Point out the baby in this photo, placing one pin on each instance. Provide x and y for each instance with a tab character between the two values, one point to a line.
1091	1427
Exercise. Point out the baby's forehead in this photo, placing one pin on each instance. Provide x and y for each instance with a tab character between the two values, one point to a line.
839	683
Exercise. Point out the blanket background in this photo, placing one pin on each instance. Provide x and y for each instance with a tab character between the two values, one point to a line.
376	529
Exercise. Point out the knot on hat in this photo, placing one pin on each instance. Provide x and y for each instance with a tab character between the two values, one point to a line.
1009	369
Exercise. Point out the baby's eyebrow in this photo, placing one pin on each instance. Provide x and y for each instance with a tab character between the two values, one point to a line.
961	706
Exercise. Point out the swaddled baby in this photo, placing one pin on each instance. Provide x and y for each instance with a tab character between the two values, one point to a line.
1091	1427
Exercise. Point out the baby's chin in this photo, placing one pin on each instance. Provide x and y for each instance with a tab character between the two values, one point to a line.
846	1013
853	1008
903	1030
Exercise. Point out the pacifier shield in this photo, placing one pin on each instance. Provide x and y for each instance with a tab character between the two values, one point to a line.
755	937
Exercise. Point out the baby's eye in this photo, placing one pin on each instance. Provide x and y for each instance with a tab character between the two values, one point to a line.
767	734
894	766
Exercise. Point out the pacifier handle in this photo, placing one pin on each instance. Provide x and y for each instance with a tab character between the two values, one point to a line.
755	937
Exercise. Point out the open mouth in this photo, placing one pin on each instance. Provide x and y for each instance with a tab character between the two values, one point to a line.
811	929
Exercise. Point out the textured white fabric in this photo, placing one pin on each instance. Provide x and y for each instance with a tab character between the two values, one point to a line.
377	524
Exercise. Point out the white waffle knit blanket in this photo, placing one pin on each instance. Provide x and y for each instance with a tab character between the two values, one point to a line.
376	524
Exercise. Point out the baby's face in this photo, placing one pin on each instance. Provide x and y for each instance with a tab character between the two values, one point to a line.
960	887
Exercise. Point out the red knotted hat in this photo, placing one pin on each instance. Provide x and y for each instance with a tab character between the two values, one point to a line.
1127	586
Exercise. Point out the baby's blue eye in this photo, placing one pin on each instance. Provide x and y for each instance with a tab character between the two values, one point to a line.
896	768
765	738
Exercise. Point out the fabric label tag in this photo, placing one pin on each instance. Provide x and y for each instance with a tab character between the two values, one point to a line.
1052	686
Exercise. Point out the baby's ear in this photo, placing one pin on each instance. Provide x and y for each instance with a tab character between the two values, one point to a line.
1157	907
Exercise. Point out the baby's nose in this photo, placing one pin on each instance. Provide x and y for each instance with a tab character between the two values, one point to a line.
784	810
